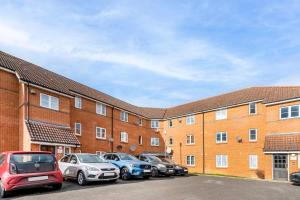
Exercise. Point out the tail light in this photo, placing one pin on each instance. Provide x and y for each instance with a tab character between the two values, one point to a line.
12	168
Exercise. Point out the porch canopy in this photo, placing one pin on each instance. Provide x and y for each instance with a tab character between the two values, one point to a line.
285	142
41	132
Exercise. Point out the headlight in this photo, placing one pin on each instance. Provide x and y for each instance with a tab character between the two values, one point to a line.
91	168
161	166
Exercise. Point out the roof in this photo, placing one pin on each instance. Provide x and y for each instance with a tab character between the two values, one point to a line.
50	133
282	142
37	75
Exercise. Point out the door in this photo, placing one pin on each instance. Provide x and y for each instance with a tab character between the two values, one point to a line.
48	148
280	167
73	166
64	164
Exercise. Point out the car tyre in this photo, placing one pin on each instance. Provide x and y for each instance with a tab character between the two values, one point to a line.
57	186
3	193
125	173
146	177
154	172
81	180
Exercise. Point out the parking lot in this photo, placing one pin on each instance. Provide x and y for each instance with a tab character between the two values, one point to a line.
188	188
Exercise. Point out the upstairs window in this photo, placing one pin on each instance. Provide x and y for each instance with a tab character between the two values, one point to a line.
190	120
78	128
170	123
48	101
154	141
252	109
190	139
221	137
221	114
140	122
124	116
100	133
290	112
171	141
78	102
294	111
124	137
154	124
253	135
101	109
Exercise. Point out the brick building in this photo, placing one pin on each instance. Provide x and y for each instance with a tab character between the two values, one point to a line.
254	132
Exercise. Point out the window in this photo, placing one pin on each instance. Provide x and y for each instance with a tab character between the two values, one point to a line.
140	122
170	123
154	141
140	140
124	116
48	101
284	112
190	139
221	137
294	111
190	160
221	161
154	124
101	109
124	137
252	108
67	150
66	159
290	112
221	114
100	133
78	128
253	161
171	141
298	160
190	119
78	102
253	135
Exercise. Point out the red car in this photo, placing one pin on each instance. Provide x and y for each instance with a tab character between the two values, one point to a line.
19	169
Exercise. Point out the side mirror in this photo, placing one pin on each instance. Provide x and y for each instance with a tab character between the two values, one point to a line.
73	162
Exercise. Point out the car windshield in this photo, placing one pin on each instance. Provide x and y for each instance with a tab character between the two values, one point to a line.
167	160
127	157
90	158
154	159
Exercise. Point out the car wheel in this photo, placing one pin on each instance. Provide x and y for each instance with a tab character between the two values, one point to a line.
3	193
57	186
146	177
125	174
154	172
81	180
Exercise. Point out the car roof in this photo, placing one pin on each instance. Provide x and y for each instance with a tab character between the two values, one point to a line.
26	152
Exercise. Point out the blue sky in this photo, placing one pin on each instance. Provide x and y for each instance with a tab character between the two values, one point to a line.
158	53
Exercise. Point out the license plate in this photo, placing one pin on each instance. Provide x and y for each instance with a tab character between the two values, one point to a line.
109	174
147	170
171	170
38	178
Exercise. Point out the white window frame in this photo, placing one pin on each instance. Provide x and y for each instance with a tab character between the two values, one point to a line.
169	139
221	141
170	123
221	114
189	139
70	150
122	138
252	129
190	120
154	123
101	129
140	122
140	140
50	98
189	160
252	164
124	116
154	141
76	123
78	102
100	109
289	112
298	160
255	104
222	163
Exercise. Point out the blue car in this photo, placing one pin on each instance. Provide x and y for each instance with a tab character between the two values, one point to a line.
129	165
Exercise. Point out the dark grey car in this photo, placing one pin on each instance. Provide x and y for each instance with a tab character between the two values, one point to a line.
158	166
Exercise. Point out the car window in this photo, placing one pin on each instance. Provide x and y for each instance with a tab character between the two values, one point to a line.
90	158
1	158
128	157
143	158
107	156
73	159
115	157
66	159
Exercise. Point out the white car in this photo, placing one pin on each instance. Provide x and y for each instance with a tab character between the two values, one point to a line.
87	168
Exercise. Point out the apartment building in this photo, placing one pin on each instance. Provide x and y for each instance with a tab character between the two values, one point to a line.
254	132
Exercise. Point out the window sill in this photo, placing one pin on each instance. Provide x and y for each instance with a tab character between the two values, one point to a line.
221	167
124	142
100	138
154	145
190	144
191	165
77	134
221	142
252	141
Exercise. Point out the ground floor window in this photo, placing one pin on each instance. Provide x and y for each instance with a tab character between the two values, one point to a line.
221	161
124	137
67	150
253	162
154	141
48	148
190	160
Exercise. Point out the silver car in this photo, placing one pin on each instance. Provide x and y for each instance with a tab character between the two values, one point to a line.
87	168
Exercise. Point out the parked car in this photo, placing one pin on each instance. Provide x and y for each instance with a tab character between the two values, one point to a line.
179	169
87	168
20	170
159	167
129	165
295	177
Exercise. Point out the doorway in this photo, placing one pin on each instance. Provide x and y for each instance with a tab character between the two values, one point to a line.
48	148
280	167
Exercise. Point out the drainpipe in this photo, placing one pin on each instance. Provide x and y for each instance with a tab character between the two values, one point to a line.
112	130
203	143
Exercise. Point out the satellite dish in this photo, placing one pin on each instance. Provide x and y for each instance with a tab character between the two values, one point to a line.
169	150
132	147
238	138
